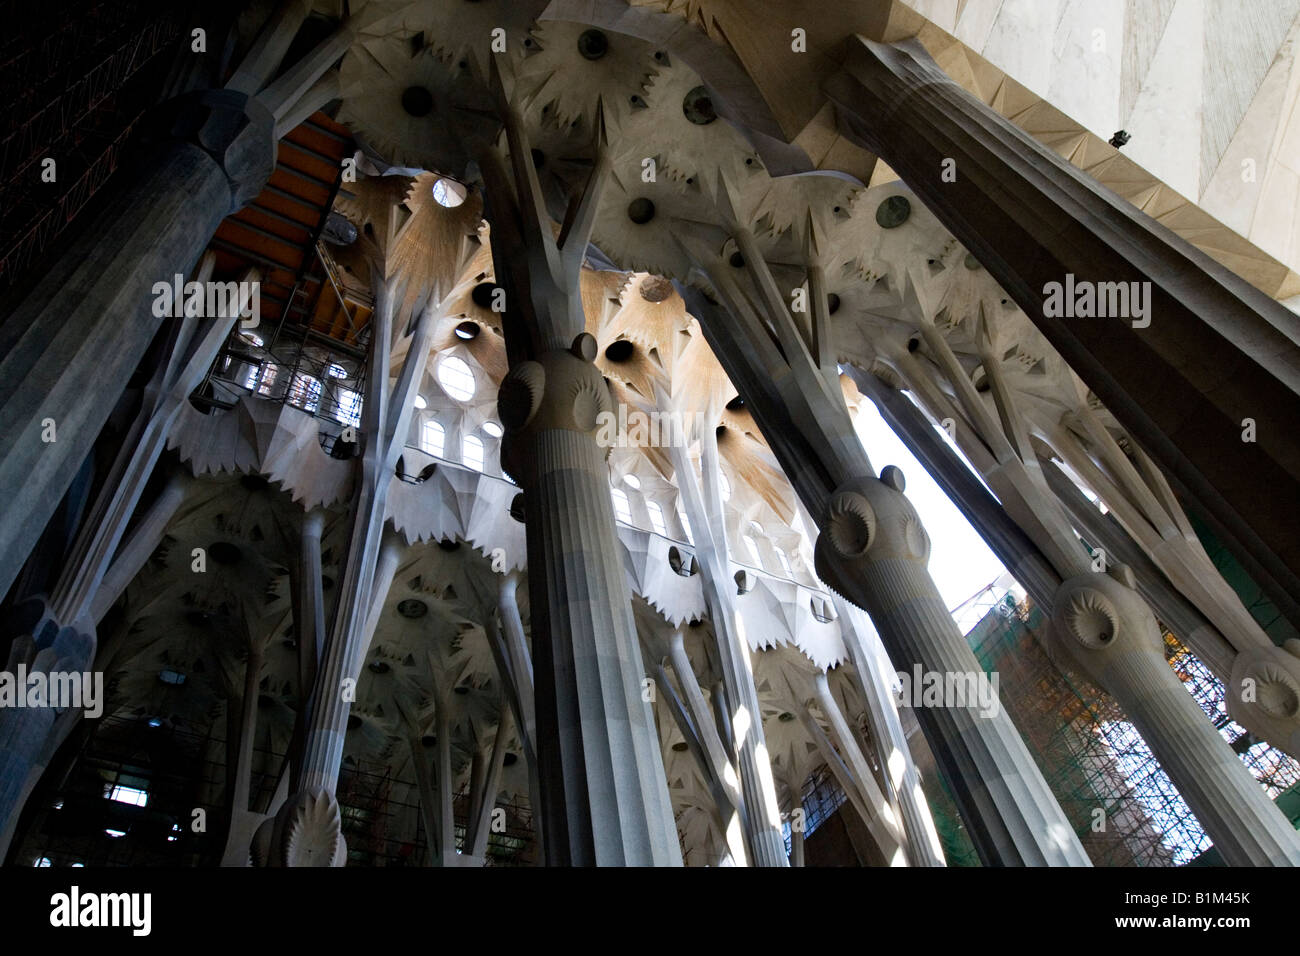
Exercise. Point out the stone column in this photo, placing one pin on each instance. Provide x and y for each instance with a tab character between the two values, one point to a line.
604	794
69	347
759	811
141	542
1175	611
25	733
873	550
870	665
847	742
67	351
517	656
1031	219
1103	626
306	832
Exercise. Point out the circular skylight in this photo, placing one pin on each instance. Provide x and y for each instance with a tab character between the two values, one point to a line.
449	193
632	481
421	402
456	378
492	429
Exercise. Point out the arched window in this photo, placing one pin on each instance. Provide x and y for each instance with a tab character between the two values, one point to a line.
753	550
622	510
456	378
726	485
432	436
656	518
304	392
471	452
348	410
785	563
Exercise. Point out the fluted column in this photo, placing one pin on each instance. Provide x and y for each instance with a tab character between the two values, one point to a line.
604	795
876	560
873	549
1102	625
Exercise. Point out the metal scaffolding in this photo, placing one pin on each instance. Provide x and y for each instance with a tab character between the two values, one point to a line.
1123	806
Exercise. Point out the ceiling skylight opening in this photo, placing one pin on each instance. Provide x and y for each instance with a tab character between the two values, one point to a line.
456	378
448	193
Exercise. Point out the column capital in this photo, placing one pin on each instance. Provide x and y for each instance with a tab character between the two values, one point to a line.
868	519
1263	694
559	390
1101	622
234	129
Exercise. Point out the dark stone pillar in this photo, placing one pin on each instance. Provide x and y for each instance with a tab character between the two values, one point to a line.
69	347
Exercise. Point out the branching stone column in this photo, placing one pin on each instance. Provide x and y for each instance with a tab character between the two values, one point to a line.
846	740
68	350
307	830
1105	628
759	811
871	665
1013	547
69	347
604	794
75	600
872	548
1210	351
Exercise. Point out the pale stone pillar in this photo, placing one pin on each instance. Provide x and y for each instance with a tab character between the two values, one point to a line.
846	740
604	794
743	728
873	550
1103	626
872	666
